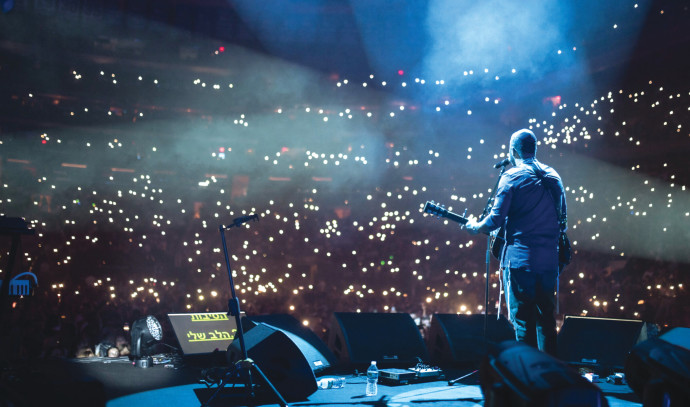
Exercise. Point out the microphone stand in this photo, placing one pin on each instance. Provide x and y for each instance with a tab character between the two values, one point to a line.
485	213
243	368
487	209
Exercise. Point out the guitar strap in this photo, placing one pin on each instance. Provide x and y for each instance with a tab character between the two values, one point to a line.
500	288
562	221
562	218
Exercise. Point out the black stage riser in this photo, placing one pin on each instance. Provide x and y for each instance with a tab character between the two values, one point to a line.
515	374
658	370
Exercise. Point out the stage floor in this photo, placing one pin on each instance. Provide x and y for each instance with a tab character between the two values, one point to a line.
428	394
119	384
465	393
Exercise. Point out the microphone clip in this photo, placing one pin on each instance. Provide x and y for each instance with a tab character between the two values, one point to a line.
237	222
244	219
502	163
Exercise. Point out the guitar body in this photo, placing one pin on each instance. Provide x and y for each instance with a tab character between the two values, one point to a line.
498	237
498	242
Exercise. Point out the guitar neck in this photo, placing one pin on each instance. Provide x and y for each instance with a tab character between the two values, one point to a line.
455	217
437	210
440	211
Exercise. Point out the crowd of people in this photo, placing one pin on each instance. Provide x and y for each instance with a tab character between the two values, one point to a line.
123	245
126	193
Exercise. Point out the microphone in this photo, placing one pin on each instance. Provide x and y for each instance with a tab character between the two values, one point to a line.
502	163
243	219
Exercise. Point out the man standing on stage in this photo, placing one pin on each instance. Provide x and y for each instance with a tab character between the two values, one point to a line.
528	203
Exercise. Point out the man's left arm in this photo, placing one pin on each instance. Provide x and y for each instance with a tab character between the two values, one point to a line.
564	206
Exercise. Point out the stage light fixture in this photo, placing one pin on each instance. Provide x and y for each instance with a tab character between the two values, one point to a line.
7	6
145	334
516	374
658	370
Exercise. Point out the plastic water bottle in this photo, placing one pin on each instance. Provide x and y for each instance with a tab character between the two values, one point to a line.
372	379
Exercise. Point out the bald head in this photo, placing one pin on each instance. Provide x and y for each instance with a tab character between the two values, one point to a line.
525	143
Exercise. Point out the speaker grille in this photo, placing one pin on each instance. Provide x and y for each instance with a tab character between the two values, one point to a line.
279	359
459	339
598	342
390	339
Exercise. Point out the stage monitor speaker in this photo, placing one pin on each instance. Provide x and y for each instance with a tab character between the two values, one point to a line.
515	374
313	348
658	370
279	359
599	343
459	339
390	339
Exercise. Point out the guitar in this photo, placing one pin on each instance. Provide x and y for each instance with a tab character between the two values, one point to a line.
497	237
